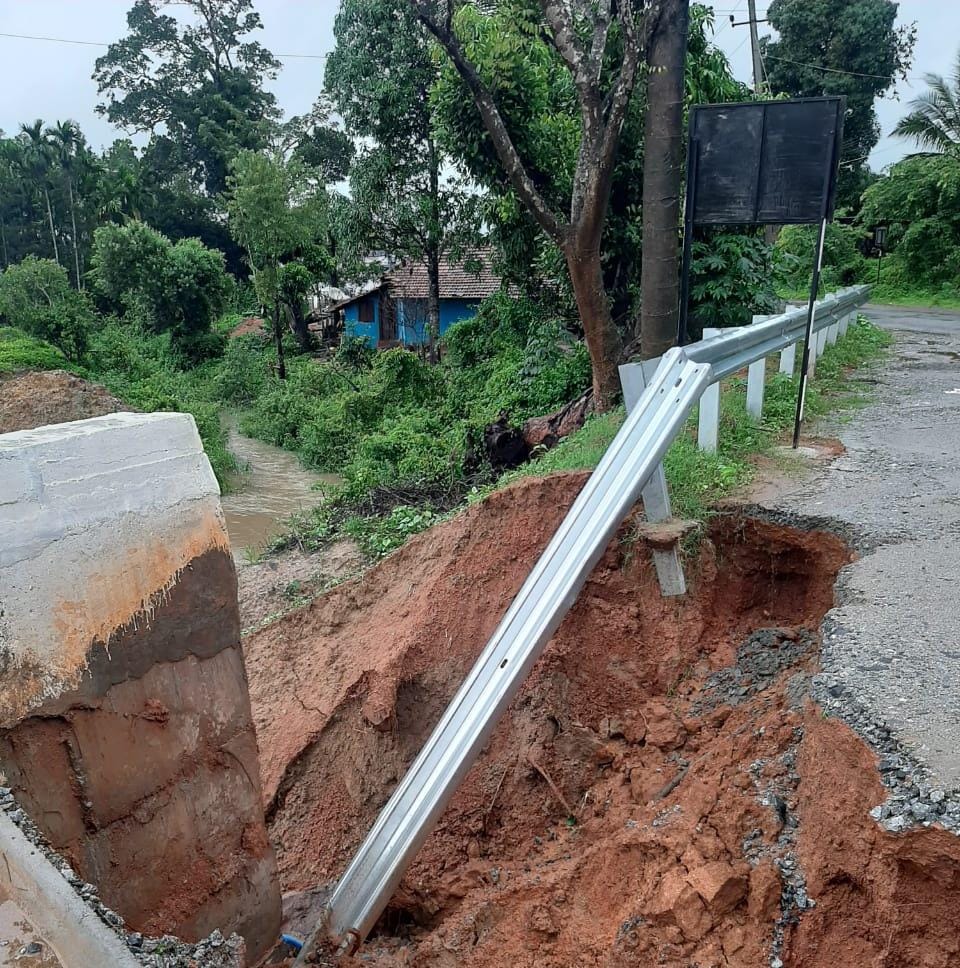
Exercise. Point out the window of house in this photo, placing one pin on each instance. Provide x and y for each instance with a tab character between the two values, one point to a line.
365	311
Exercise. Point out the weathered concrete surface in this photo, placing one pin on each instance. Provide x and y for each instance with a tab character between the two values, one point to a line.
893	641
127	732
79	939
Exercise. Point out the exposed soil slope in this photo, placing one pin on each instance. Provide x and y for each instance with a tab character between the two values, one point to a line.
36	399
661	792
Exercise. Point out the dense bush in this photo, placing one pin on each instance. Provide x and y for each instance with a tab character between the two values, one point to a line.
180	288
19	351
731	278
36	297
146	372
843	263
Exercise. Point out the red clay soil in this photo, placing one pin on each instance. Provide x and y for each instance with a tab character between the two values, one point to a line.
36	399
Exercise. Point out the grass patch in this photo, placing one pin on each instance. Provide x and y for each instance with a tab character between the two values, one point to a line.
697	480
19	351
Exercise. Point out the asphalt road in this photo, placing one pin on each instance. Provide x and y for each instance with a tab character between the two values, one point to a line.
937	321
892	642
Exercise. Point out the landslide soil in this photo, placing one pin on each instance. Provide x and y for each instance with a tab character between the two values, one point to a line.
36	399
661	792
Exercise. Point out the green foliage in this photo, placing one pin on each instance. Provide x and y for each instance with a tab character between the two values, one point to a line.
843	263
934	118
859	39
512	357
146	371
919	202
379	536
180	288
36	297
731	279
201	83
539	104
19	351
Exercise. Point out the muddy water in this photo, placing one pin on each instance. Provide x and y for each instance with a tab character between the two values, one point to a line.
274	486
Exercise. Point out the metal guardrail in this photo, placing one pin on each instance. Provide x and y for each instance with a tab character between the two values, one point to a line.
737	348
631	461
548	593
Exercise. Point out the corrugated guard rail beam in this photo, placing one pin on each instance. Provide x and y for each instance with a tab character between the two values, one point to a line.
737	348
546	596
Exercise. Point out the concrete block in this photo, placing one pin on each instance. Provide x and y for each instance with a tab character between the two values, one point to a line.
125	723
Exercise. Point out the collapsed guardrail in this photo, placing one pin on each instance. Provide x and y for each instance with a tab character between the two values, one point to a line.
631	465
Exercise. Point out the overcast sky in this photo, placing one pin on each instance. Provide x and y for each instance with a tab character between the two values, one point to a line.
48	80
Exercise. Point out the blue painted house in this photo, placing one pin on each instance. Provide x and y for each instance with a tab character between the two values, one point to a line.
393	311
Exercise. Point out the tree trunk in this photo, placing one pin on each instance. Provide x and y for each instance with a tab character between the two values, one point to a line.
602	338
278	340
301	330
433	304
76	241
662	177
3	239
53	234
433	254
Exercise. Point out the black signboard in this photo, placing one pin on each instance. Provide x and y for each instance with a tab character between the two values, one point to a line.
765	162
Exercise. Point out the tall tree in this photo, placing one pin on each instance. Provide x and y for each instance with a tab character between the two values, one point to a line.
273	215
601	46
662	178
934	118
197	88
848	47
379	77
67	144
37	160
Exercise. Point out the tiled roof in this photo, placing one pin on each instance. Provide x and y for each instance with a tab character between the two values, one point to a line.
409	280
476	281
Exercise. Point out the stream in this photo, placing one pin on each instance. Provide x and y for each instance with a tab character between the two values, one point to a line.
273	486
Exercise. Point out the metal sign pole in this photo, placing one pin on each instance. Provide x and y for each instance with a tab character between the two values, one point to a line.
808	333
829	180
693	163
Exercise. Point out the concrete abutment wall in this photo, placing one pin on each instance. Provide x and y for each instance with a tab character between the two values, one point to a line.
125	725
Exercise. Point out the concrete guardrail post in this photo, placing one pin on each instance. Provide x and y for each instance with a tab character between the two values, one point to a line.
756	380
708	424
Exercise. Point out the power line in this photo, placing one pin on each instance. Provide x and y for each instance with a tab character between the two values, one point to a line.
831	70
94	43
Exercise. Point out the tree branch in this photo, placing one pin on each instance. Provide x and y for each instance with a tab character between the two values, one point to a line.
493	121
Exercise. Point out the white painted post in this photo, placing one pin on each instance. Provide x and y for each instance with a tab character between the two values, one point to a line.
832	332
708	427
788	359
756	378
822	340
656	498
845	322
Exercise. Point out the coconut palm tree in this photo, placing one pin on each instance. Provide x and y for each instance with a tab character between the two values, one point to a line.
37	159
66	142
934	121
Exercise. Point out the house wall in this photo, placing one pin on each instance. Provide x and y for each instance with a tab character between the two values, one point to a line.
412	317
366	331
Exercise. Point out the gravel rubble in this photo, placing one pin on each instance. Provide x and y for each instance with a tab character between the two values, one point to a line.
214	951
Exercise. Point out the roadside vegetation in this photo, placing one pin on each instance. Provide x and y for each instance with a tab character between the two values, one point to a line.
134	266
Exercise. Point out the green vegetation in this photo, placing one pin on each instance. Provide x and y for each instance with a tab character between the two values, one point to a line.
35	296
19	351
697	479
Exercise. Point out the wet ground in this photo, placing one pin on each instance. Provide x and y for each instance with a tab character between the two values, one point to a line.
19	944
273	486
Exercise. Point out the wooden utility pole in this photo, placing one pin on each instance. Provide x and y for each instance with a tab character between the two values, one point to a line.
755	48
